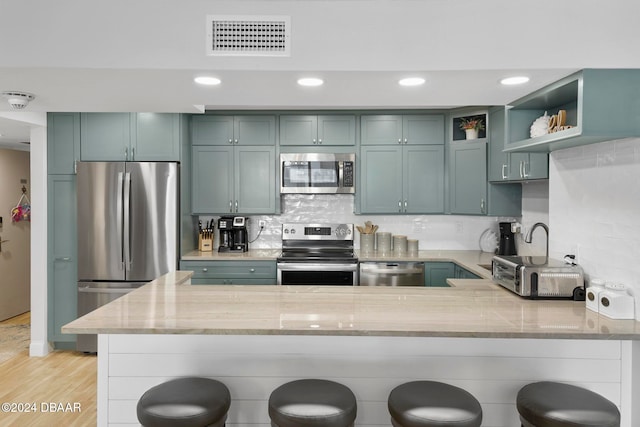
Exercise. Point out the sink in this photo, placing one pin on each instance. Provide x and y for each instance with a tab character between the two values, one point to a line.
486	266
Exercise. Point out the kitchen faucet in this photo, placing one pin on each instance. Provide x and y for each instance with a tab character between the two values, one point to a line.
529	235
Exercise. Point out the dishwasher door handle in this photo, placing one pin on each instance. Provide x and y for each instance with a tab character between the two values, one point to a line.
122	291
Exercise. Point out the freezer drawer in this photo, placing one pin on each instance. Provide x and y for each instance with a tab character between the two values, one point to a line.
392	274
92	295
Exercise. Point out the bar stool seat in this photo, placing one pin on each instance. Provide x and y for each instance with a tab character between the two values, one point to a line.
312	402
433	404
552	404
185	402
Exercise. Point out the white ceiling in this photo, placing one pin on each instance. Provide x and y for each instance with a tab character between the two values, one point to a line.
142	56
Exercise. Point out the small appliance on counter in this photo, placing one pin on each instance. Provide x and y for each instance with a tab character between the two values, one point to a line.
234	236
507	242
539	277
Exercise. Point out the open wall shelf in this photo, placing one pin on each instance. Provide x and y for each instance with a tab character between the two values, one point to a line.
601	105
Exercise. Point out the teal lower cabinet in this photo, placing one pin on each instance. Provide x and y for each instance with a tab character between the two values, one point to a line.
62	261
231	272
436	273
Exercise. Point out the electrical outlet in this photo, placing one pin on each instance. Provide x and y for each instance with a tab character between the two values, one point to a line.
262	224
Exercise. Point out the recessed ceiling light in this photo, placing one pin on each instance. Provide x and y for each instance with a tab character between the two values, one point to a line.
411	81
207	81
518	80
310	81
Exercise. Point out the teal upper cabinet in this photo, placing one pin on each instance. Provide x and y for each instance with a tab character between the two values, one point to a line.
402	129
233	179
600	105
402	179
157	137
63	142
233	130
337	129
468	177
129	137
105	136
509	167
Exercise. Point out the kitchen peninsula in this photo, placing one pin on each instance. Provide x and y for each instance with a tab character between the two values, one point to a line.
253	338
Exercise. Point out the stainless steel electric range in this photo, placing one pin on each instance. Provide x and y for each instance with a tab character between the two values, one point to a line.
317	254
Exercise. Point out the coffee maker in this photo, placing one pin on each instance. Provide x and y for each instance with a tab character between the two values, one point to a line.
507	242
233	234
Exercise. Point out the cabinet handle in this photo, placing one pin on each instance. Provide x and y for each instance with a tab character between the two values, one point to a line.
399	140
231	141
126	154
253	270
75	167
482	206
405	140
60	258
524	170
231	206
133	153
314	141
504	176
204	270
521	174
235	141
236	206
319	141
399	205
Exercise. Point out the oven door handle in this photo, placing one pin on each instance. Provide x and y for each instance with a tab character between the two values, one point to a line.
309	266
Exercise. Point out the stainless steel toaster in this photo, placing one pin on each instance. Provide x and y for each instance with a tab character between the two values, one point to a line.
539	277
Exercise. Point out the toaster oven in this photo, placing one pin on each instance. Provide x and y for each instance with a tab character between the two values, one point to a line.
539	277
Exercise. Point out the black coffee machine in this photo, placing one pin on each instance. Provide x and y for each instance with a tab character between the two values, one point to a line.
233	234
507	242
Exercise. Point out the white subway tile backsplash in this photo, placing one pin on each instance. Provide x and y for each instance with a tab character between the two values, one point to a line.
594	209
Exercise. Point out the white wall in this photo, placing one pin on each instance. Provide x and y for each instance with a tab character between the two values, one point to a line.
15	254
594	209
535	208
446	232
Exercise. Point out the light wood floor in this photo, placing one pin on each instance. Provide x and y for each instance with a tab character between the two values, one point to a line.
62	377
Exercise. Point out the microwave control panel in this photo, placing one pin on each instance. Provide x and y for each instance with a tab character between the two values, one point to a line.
347	174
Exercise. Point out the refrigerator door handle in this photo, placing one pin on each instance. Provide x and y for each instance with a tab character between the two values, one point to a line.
127	221
119	218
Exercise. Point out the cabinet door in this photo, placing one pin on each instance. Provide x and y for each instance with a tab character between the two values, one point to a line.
381	130
157	137
423	129
298	130
437	273
499	167
255	180
468	178
337	130
423	184
212	130
255	130
105	136
381	178
63	142
62	264
212	179
537	167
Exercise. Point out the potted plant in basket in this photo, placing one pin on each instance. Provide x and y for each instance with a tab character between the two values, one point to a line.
471	126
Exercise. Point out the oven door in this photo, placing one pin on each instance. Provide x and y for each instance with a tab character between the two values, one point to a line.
320	274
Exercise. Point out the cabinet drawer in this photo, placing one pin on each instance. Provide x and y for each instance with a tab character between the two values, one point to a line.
233	270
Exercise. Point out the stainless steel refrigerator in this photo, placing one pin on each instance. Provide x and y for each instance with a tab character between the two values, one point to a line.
127	230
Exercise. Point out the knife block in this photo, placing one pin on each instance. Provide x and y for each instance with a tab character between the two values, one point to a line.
205	244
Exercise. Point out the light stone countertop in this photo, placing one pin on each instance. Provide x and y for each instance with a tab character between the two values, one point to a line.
471	308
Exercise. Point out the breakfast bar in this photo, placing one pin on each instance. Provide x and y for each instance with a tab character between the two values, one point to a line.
474	334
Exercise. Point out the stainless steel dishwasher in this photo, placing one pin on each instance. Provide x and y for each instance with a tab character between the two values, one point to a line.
392	273
92	295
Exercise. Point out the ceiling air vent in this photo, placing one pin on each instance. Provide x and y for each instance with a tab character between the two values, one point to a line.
248	35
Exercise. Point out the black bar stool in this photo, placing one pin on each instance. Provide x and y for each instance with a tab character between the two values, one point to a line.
185	402
312	402
433	404
551	404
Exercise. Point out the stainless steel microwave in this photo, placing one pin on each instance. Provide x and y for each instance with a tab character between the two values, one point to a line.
310	173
